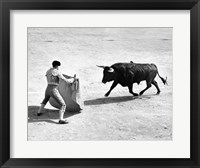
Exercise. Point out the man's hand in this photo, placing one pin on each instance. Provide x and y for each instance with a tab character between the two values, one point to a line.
69	80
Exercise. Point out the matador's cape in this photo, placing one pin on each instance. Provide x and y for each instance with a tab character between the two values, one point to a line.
70	94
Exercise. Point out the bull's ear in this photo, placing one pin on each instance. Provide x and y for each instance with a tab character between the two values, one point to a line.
111	69
101	66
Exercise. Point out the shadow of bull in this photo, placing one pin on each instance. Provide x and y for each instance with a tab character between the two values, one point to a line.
108	100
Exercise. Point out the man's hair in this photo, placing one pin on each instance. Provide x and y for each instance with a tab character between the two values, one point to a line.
56	63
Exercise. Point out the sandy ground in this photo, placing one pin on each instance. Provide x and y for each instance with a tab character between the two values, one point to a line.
117	117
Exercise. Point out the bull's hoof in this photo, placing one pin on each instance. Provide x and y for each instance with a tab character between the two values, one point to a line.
158	93
141	93
135	94
106	95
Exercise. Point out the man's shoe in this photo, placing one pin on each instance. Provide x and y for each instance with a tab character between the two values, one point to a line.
62	122
39	114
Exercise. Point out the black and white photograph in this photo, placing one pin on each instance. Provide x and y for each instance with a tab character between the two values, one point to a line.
100	83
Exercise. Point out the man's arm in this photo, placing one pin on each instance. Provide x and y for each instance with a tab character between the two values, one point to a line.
68	77
61	76
68	80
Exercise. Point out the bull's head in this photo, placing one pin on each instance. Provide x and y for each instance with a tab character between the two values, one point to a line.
108	73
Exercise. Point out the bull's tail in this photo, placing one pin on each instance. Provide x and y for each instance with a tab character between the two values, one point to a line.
163	80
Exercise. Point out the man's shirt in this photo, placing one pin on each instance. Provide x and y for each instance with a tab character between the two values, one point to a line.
53	76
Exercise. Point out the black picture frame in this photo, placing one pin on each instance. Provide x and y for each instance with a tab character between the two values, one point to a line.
7	5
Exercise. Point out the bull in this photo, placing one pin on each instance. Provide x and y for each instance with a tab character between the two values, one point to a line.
126	74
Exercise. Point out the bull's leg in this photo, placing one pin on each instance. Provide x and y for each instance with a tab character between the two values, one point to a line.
130	87
111	88
156	85
148	86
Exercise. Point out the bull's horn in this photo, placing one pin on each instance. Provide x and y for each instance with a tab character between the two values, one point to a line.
111	70
101	66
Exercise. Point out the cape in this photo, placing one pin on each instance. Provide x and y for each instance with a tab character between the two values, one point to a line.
70	94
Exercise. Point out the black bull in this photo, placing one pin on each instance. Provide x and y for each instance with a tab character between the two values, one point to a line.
128	73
